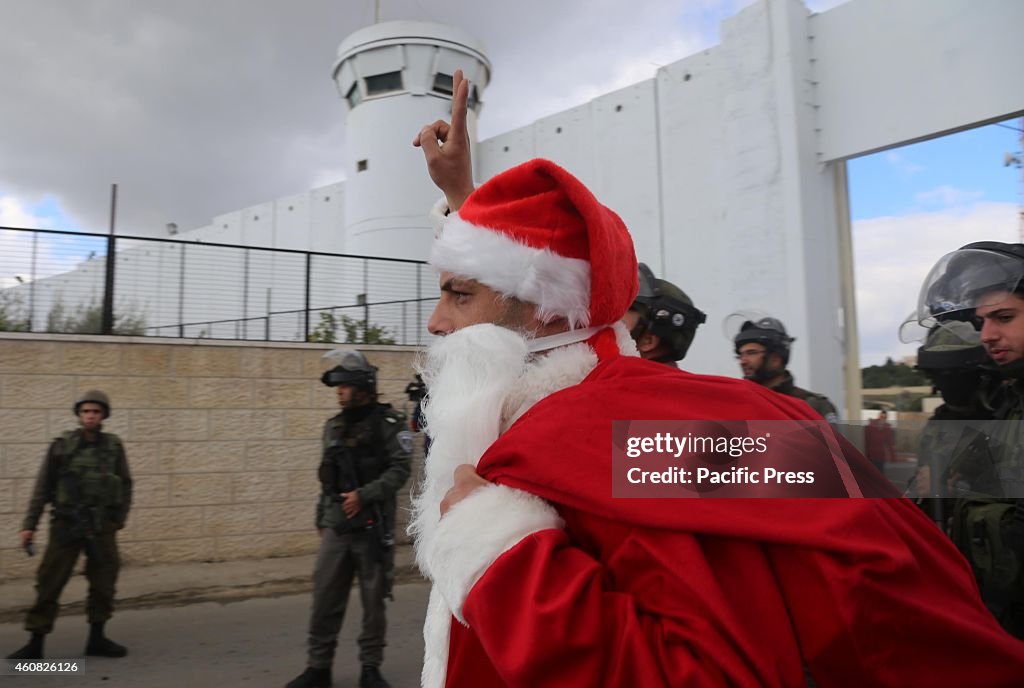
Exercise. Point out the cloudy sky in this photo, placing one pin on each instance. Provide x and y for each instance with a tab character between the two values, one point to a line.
200	107
912	205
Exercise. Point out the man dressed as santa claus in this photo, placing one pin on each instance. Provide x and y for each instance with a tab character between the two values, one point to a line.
541	578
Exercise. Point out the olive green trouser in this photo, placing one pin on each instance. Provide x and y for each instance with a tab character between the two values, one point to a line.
342	558
101	568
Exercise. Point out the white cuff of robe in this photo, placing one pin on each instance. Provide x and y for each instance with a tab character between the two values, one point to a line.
478	530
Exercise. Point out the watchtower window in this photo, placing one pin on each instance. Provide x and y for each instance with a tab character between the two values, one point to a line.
354	97
443	84
383	83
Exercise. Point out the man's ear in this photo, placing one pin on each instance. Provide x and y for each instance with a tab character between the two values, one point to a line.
648	343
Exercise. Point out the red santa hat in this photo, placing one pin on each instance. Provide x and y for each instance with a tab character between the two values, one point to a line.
536	232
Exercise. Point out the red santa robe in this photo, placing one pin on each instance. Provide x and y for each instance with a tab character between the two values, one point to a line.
552	582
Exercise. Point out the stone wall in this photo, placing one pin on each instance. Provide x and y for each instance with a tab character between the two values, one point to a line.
222	438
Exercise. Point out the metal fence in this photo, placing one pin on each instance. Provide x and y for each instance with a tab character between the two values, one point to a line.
56	281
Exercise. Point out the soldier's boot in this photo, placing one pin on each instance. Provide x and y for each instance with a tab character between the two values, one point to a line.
100	645
32	650
370	678
311	678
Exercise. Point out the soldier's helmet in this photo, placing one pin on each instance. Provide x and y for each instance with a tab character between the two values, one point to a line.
352	369
976	275
951	345
769	332
93	396
667	312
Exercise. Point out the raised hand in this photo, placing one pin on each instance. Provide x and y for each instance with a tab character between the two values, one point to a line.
446	148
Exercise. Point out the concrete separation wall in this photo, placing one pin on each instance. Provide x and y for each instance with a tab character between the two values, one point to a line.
223	438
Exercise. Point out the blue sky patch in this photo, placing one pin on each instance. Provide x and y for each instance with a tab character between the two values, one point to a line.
946	172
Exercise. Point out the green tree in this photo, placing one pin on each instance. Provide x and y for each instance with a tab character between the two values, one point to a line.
12	313
356	331
326	331
891	374
88	319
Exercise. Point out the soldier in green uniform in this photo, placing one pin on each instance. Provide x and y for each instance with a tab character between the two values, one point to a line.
984	282
365	461
762	348
953	359
85	477
662	320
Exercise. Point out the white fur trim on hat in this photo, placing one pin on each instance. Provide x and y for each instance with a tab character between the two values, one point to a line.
557	285
479	529
438	215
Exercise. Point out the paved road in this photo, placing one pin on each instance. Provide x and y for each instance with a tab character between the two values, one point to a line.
258	642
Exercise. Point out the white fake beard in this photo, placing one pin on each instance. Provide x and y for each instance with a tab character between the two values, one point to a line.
468	375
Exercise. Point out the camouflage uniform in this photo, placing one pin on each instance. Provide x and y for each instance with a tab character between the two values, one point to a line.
90	488
818	402
375	443
988	516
